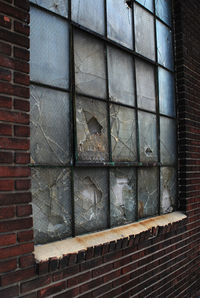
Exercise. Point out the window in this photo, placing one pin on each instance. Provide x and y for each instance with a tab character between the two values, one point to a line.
103	119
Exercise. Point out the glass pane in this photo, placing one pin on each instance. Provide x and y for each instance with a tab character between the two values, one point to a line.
144	32
49	126
119	18
51	201
147	137
122	196
164	45
121	77
49	49
147	3
166	92
89	65
168	190
89	13
91	121
58	6
145	80
167	140
147	192
163	10
123	133
90	200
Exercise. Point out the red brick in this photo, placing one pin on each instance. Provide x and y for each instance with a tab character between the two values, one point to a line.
22	105
21	53
14	12
21	78
14	117
6	185
10	89
79	279
10	292
14	198
5	49
26	261
25	236
5	21
69	293
92	284
18	224
22	184
52	290
14	38
11	143
6	171
7	266
24	4
21	28
6	157
8	239
5	75
35	284
7	212
17	276
5	102
5	129
16	65
13	251
22	131
102	270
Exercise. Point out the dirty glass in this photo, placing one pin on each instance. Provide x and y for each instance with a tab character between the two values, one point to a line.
122	196
145	82
91	121
51	204
123	133
49	49
144	32
58	6
90	70
168	189
89	13
147	137
147	192
90	200
147	3
120	77
167	140
49	126
164	45
119	19
163	10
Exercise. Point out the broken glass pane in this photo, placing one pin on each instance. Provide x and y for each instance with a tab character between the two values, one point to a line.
49	126
119	18
89	13
163	10
91	121
90	71
49	49
122	196
167	141
164	45
123	133
145	81
168	189
147	192
51	201
147	3
147	137
166	92
144	32
90	200
121	77
58	6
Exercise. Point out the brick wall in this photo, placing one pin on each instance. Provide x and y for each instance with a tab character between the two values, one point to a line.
166	264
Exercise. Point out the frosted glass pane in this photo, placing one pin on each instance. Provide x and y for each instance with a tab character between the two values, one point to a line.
123	133
51	201
167	140
145	80
89	13
147	3
168	189
147	192
121	77
147	137
166	92
91	121
122	196
163	10
119	18
58	6
164	46
90	200
144	32
90	70
49	49
49	126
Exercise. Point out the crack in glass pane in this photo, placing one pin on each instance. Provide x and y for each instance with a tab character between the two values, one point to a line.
168	190
167	141
163	10
58	6
147	3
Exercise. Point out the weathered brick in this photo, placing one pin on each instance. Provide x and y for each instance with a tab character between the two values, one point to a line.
7	266
22	158
35	283
17	276
5	102
14	38
21	53
26	261
5	48
5	75
22	131
6	171
5	129
10	292
6	185
7	212
23	185
25	236
22	105
10	89
14	117
52	289
18	224
8	239
5	21
11	143
20	78
14	12
14	198
13	251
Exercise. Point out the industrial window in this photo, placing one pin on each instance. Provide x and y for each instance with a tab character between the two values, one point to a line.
103	117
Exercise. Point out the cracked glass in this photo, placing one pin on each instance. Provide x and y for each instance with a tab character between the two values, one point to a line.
58	6
167	141
168	189
123	133
147	3
163	10
51	202
90	200
50	126
122	196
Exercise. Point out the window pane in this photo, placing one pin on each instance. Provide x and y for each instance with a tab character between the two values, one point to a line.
51	201
168	190
89	65
121	77
123	133
122	196
119	18
49	49
144	32
145	86
49	126
59	6
147	137
91	200
147	192
91	121
167	140
163	10
147	3
89	13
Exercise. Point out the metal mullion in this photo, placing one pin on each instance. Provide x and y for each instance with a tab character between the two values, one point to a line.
50	11
147	10
49	86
